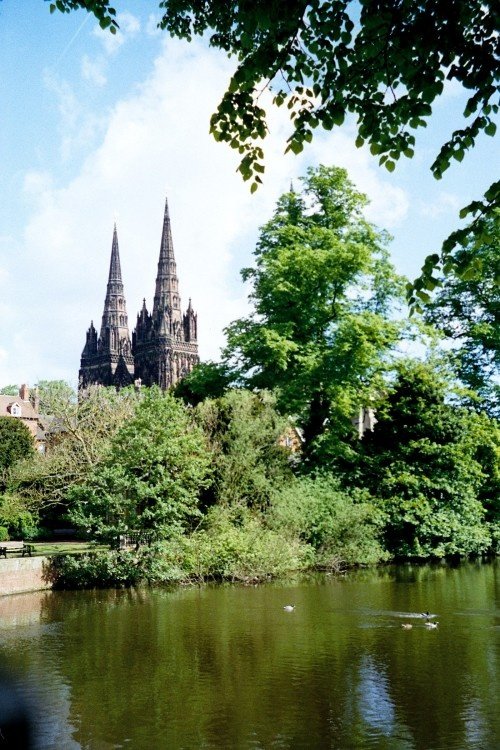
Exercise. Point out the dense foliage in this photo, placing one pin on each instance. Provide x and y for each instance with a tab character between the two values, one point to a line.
16	442
257	466
423	467
150	478
244	432
323	291
466	308
78	435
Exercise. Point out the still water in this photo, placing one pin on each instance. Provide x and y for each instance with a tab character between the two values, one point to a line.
227	667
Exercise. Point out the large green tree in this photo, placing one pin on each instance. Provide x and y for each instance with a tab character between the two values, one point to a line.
323	291
151	477
9	390
244	431
80	430
16	442
466	308
382	61
432	467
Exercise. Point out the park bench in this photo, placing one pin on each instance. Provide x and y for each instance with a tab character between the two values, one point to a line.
135	539
16	548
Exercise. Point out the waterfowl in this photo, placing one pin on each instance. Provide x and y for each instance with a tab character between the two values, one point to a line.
406	625
289	607
427	615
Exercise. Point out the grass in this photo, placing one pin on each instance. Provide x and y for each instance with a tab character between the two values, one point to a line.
63	548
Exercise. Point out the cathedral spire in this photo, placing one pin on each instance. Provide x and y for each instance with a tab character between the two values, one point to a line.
108	359
114	324
167	283
115	271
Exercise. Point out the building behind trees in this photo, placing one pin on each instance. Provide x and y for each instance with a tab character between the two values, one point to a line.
164	345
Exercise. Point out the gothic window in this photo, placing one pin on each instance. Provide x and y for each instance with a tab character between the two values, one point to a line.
15	410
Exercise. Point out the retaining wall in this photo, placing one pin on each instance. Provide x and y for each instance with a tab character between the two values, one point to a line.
20	574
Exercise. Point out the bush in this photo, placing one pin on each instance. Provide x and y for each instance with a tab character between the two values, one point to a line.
235	545
21	524
4	534
341	528
100	569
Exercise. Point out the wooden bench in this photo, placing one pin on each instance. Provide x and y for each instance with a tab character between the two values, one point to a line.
14	549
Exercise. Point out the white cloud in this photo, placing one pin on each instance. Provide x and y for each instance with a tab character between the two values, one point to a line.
78	125
152	26
129	26
388	203
156	142
93	70
444	204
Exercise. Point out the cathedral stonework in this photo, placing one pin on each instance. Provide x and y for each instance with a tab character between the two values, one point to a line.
164	344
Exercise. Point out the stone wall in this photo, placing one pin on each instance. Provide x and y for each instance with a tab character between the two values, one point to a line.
20	574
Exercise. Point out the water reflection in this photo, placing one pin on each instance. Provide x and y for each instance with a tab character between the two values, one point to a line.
226	667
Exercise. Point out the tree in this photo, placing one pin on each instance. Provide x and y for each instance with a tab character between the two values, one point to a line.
244	431
323	291
16	442
151	478
206	380
341	526
424	466
81	429
9	390
386	63
466	308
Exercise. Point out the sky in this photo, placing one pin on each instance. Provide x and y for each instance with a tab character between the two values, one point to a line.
96	128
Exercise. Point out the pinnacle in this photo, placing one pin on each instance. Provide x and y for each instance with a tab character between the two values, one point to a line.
115	271
167	291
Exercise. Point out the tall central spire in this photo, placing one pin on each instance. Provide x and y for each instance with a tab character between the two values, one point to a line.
167	283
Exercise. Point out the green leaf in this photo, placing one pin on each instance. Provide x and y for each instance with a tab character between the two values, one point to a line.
296	147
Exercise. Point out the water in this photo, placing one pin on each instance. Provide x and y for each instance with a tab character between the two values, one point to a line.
227	667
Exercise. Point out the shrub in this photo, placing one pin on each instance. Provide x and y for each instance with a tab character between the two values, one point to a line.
100	569
235	545
4	534
340	527
21	524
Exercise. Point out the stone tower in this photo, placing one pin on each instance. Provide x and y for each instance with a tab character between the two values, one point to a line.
108	360
164	342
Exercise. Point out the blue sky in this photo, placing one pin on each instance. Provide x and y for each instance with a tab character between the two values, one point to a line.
95	128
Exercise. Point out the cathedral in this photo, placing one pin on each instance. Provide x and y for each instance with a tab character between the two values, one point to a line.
164	344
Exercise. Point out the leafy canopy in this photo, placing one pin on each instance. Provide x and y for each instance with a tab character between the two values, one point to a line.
323	291
244	431
79	433
424	465
151	477
385	62
16	441
466	308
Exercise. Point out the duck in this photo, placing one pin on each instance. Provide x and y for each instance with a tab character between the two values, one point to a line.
289	607
427	615
406	625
